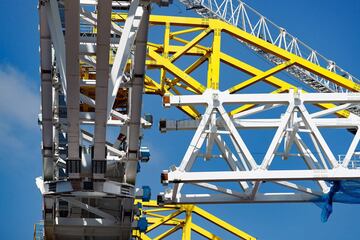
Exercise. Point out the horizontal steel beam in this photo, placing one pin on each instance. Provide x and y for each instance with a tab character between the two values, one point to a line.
259	198
263	175
122	4
173	125
283	98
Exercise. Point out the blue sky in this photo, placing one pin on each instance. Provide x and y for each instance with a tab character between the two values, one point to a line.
331	27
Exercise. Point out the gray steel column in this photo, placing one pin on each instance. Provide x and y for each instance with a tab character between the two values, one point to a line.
46	95
102	77
135	98
72	37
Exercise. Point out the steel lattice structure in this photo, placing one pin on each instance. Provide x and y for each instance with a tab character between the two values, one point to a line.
214	121
239	14
170	216
294	122
93	60
87	186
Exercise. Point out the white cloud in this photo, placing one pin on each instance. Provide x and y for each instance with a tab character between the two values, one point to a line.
19	99
19	108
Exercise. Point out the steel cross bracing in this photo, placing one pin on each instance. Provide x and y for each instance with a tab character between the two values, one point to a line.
175	81
177	45
320	161
239	14
166	221
297	130
88	182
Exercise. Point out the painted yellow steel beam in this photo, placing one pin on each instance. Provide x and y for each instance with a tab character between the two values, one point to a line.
162	20
285	55
247	68
169	66
194	227
163	220
169	232
186	233
274	81
172	222
203	232
158	209
199	48
214	61
190	44
261	76
170	215
190	30
191	68
222	224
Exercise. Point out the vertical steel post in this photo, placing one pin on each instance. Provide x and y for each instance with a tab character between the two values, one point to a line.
46	95
72	37
102	76
186	234
135	98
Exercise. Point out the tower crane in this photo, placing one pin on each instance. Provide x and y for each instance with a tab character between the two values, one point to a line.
97	60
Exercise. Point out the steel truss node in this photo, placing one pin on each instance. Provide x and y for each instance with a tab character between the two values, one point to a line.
246	170
170	216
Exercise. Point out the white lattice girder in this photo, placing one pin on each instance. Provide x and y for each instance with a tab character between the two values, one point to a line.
249	171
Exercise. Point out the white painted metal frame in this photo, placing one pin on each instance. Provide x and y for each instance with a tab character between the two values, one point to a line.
249	171
127	39
64	46
136	89
72	41
104	9
46	96
57	38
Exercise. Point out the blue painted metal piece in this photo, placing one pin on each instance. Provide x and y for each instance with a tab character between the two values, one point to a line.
146	193
142	224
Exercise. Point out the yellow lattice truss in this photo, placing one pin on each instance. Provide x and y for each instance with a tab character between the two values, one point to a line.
169	215
203	39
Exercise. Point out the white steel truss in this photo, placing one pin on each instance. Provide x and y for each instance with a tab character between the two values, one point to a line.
296	123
